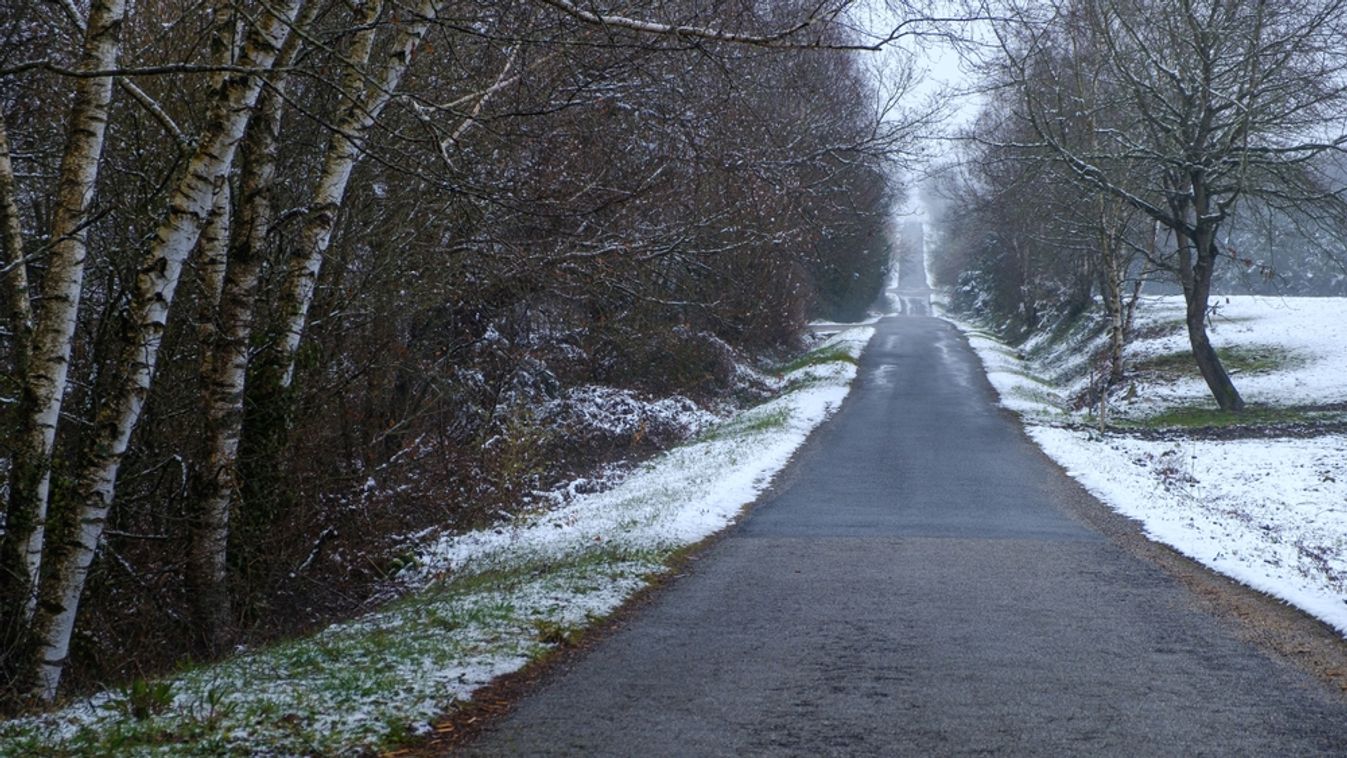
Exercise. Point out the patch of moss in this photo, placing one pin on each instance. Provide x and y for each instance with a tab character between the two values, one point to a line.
748	423
1195	416
818	357
1244	359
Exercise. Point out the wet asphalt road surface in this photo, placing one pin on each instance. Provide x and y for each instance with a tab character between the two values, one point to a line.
919	585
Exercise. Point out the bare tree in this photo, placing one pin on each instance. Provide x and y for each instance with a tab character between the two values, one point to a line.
433	219
46	358
1208	103
156	285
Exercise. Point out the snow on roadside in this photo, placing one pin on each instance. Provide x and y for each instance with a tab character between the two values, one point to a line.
686	494
1269	513
1018	389
480	605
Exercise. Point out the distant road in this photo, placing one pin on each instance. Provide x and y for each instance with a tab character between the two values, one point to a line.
924	582
912	295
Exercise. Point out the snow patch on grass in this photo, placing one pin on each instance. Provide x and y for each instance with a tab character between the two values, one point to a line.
477	605
1270	513
1309	336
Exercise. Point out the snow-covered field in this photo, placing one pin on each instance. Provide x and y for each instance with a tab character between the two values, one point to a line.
1270	512
1307	335
476	606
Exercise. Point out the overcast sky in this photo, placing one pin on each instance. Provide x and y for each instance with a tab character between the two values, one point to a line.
943	76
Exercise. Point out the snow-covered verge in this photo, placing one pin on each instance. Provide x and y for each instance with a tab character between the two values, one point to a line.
477	606
1270	512
1283	351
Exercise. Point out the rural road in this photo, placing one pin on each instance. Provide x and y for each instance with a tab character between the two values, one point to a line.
921	583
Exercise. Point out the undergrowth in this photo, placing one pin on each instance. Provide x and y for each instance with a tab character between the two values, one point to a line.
816	358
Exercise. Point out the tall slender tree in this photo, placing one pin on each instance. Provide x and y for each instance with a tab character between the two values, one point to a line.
47	353
156	283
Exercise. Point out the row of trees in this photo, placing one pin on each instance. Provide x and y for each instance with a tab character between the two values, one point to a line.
1126	139
259	255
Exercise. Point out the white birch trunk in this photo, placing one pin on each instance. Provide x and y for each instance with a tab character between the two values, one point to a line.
214	256
1111	229
1113	306
343	151
53	332
207	566
224	359
153	293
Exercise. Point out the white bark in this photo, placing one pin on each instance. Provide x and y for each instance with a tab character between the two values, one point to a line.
1113	306
214	256
211	263
207	566
53	332
152	296
224	341
368	96
224	360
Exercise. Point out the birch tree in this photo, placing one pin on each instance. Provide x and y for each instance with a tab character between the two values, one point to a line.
46	354
207	558
156	285
227	330
367	91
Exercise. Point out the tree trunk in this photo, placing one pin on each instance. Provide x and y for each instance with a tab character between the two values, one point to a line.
1197	293
206	557
1112	269
1113	306
224	359
152	295
12	260
369	91
48	362
343	151
21	326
